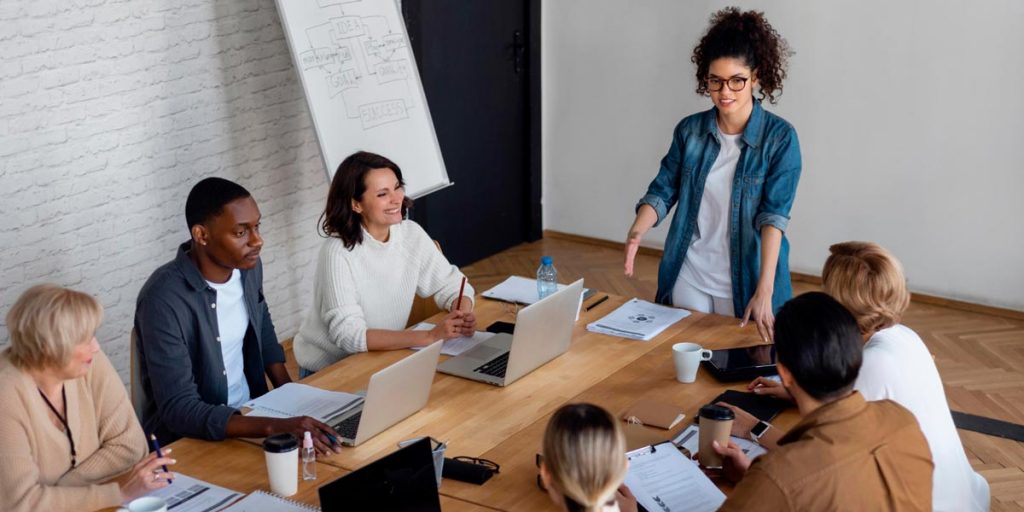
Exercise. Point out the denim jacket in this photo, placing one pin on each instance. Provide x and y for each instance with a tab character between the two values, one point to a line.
763	190
184	381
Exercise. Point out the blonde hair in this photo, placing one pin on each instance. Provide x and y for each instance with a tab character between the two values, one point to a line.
46	322
869	281
585	456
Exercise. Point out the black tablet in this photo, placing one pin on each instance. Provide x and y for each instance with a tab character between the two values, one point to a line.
743	363
403	481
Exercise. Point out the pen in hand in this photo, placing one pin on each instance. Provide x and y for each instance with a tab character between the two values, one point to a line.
156	448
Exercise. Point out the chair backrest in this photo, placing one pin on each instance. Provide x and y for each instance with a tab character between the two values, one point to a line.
423	307
136	375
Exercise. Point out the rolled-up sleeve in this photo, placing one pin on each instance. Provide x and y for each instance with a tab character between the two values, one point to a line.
169	365
780	184
663	192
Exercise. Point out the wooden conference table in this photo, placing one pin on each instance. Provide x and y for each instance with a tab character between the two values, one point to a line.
504	425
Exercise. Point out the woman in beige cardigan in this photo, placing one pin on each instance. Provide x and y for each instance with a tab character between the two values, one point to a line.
69	439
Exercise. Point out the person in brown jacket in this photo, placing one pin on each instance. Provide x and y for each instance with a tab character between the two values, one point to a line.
846	453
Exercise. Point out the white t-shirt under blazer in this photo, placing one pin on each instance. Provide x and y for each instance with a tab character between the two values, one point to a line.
897	366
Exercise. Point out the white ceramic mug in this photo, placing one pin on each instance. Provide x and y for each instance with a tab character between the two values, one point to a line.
145	504
687	358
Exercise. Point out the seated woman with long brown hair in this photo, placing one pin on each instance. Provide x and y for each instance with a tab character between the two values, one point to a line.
372	264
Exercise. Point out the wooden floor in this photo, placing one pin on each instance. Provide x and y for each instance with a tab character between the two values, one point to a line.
980	356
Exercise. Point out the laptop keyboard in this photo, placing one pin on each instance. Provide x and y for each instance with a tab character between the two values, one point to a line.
348	427
495	367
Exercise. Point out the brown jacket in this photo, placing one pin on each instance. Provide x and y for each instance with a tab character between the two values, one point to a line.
846	455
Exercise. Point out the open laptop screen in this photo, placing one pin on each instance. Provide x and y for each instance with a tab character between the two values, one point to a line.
401	481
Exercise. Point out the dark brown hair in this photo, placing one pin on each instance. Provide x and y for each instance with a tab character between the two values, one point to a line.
747	36
339	219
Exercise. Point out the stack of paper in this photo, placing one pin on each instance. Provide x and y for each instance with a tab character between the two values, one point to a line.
295	399
521	290
638	319
663	480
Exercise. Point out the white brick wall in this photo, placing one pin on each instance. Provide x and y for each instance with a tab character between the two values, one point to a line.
111	110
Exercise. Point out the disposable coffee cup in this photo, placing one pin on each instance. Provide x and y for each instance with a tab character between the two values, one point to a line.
282	452
145	504
715	424
687	358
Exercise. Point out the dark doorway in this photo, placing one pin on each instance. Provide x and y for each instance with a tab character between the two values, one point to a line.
480	66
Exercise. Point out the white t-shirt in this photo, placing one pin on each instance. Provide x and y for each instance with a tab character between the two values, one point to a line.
232	322
898	366
706	265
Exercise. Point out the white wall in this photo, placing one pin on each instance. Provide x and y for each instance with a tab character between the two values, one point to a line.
909	113
111	111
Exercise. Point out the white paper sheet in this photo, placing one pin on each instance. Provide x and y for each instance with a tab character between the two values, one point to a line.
294	399
260	501
186	494
663	480
638	319
455	346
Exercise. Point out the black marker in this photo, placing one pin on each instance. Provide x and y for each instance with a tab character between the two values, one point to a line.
598	303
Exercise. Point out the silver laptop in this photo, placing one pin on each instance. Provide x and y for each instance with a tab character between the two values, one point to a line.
543	332
394	393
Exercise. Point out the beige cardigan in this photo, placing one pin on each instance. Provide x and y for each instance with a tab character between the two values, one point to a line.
35	457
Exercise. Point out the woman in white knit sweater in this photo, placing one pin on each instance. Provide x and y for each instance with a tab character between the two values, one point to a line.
869	281
370	267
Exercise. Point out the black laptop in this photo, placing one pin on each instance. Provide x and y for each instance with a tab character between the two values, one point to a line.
403	481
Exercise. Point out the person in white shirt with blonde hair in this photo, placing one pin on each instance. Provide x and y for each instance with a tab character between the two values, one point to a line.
371	266
869	281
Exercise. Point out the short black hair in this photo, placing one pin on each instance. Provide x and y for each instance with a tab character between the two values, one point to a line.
817	339
208	197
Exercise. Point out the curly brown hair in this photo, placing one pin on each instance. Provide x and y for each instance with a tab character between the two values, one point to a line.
339	220
747	36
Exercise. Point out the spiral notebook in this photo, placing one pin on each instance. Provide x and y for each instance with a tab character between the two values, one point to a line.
261	501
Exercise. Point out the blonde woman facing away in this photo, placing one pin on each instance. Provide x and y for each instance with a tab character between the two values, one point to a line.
869	281
69	439
584	461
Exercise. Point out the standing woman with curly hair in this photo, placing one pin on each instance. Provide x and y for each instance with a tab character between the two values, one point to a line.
733	171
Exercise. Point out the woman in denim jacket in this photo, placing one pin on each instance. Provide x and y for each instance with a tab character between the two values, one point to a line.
733	171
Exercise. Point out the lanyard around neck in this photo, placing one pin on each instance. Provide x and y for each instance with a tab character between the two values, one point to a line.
63	419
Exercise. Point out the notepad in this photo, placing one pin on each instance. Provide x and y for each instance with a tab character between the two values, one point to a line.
454	346
663	480
294	399
638	319
260	501
653	413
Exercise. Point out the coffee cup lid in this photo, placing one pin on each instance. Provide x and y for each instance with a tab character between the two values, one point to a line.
279	443
717	412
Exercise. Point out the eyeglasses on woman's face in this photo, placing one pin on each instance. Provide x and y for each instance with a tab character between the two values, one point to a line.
736	83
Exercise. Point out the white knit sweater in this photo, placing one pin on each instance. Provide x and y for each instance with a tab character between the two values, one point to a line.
371	287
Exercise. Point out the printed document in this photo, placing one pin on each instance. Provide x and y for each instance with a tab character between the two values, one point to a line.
186	494
294	399
638	319
663	480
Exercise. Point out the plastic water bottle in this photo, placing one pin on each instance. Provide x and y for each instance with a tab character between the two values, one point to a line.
547	278
308	458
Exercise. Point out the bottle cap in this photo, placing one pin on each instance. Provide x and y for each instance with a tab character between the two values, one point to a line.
307	440
545	260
